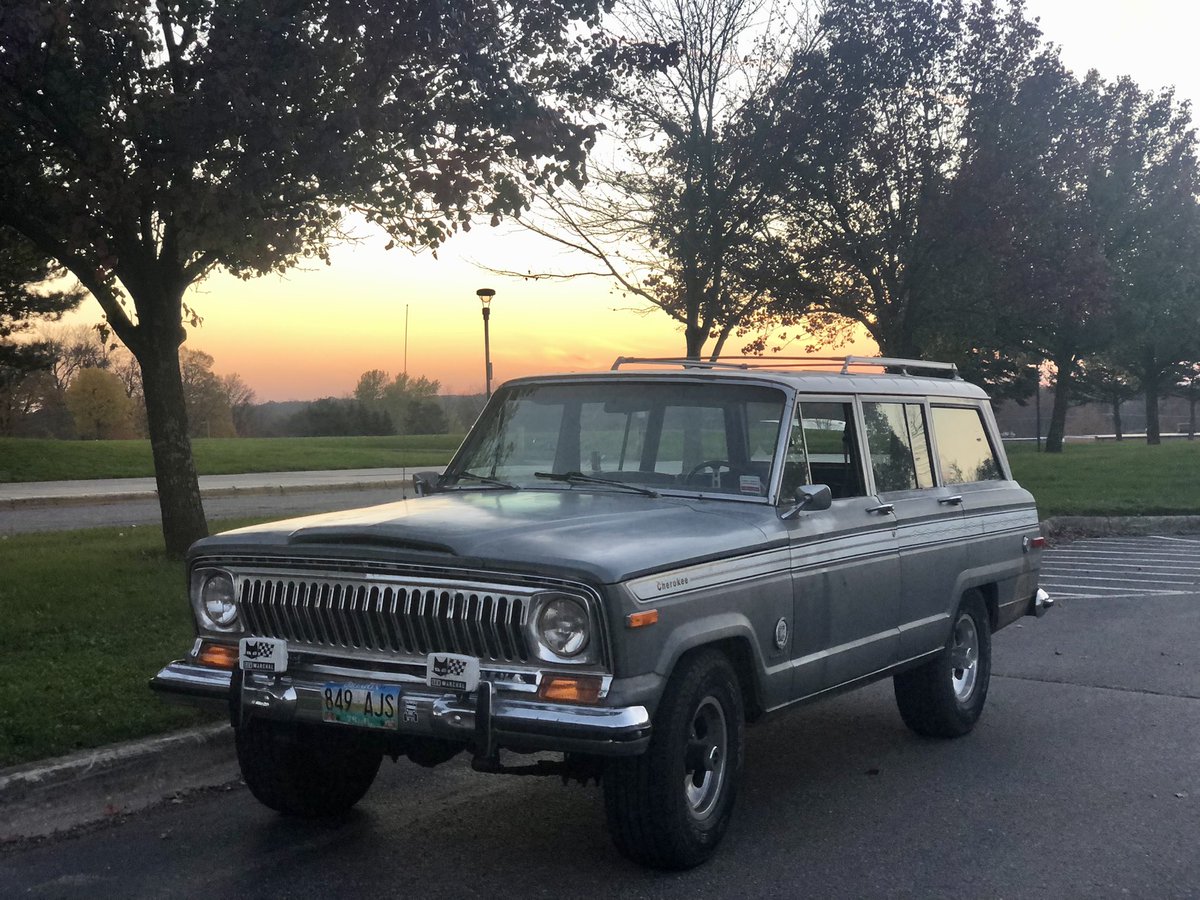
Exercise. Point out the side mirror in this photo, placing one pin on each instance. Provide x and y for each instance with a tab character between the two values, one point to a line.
425	483
811	498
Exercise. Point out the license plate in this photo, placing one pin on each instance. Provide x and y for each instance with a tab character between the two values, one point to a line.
359	703
260	654
452	671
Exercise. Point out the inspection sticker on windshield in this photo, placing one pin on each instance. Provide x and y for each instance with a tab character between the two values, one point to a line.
452	671
260	654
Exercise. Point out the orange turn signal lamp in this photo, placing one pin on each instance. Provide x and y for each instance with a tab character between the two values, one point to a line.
219	656
571	688
641	619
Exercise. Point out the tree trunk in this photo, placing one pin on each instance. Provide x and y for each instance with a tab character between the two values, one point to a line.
1116	409
174	469
1153	432
1192	417
695	336
1058	414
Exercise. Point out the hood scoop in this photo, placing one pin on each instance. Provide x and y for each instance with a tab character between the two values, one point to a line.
366	537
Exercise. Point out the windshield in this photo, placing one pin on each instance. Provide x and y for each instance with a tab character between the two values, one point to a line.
710	438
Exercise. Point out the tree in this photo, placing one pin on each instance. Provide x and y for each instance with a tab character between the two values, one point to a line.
99	406
411	402
1102	381
333	416
1188	387
143	145
677	213
76	347
208	409
239	396
27	298
1147	198
871	133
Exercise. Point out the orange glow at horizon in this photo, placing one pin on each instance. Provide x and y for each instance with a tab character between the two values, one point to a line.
313	331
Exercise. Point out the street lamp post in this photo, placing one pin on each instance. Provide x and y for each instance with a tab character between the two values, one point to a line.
485	296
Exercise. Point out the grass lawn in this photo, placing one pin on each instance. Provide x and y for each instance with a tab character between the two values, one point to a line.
50	460
1112	479
89	616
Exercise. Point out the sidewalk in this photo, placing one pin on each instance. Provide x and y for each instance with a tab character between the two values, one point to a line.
102	490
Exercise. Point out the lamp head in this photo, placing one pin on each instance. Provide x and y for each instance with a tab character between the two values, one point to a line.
485	295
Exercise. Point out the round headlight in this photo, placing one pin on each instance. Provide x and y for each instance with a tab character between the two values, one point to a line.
563	626
218	600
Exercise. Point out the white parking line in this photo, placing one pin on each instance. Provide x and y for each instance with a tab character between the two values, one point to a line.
1113	568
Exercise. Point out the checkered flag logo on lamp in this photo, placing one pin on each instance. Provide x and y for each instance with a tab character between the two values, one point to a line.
444	667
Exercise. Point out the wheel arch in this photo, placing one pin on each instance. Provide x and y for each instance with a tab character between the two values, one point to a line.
734	639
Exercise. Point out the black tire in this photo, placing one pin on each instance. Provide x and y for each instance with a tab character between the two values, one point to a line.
669	807
305	771
944	697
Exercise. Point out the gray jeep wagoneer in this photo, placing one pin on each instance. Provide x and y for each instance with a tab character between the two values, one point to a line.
623	569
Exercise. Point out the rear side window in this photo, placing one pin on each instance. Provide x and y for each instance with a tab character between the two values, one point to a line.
964	452
899	444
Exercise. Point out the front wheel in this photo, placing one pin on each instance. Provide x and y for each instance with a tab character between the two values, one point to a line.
303	770
670	807
945	697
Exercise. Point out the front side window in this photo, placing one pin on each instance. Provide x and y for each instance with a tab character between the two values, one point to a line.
964	452
899	446
711	438
823	449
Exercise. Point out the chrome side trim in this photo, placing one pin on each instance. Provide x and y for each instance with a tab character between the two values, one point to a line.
842	648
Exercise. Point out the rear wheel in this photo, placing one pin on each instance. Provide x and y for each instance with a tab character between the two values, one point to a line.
945	697
306	771
670	807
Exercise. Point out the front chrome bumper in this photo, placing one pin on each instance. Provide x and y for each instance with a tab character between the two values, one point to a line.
515	724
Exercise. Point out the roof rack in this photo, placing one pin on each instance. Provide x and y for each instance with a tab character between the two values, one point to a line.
818	363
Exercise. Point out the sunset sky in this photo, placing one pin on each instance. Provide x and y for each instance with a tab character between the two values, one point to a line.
312	332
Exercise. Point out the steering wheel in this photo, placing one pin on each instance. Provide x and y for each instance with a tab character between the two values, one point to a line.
713	465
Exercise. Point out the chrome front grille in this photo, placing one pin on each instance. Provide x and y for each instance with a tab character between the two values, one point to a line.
356	614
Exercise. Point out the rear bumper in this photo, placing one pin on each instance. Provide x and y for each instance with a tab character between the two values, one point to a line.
504	722
1040	604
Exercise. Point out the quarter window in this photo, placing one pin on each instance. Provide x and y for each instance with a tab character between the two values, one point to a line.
964	452
899	445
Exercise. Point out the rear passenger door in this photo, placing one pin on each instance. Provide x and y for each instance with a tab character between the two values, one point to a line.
930	527
845	571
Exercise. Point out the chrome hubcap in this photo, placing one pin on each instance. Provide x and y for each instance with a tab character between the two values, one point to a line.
964	658
704	758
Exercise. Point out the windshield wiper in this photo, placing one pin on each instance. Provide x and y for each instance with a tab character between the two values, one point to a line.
485	479
580	478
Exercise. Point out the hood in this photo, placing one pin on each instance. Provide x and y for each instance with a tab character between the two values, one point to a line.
607	535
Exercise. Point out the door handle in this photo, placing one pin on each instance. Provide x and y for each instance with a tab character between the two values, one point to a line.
882	509
956	500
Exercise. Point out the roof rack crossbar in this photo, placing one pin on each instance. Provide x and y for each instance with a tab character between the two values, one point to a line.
891	362
825	363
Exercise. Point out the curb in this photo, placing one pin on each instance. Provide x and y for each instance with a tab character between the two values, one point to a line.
93	499
55	795
1068	528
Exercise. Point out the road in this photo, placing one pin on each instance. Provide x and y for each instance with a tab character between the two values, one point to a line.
55	517
1081	780
59	505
